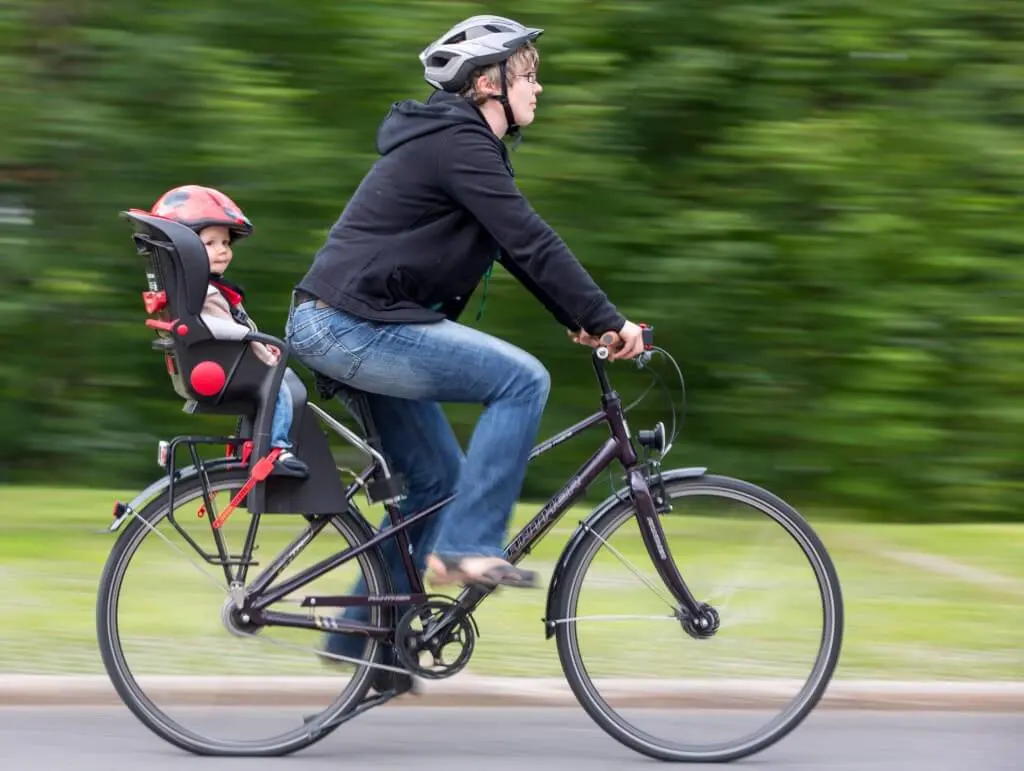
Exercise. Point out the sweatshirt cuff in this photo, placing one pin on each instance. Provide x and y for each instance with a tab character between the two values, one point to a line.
607	319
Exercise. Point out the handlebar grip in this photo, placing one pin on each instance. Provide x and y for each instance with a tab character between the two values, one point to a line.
613	340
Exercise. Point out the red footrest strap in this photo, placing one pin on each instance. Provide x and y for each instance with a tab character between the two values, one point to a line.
260	471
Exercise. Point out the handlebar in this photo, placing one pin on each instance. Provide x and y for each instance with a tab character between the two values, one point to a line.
609	342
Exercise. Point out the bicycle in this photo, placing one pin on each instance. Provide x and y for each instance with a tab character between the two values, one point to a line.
418	626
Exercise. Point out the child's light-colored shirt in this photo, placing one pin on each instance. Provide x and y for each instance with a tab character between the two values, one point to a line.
228	320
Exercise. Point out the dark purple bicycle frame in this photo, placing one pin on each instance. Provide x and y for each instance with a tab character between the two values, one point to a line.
617	447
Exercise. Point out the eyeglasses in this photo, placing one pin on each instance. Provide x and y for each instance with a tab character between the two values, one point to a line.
529	77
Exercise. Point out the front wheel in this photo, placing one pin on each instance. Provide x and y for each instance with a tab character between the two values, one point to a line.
673	694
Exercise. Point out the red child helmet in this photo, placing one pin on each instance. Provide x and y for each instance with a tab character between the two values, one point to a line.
199	207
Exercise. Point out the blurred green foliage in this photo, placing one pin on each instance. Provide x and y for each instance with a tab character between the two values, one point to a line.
816	203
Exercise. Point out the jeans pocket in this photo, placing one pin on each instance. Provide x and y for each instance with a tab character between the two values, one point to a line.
352	339
306	333
332	342
310	341
301	317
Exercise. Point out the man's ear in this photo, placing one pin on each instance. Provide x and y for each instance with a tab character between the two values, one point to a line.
485	87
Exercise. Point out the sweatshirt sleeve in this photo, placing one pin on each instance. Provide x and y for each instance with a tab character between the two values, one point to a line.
535	289
474	173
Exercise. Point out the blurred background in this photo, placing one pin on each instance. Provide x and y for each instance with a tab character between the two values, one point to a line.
817	204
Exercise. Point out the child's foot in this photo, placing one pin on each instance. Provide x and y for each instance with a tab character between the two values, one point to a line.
289	466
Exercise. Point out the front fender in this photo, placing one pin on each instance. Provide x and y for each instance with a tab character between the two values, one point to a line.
618	498
161	485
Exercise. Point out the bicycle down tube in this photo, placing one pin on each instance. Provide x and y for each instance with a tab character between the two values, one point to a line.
262	598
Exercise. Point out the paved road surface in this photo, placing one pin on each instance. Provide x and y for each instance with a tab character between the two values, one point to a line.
544	739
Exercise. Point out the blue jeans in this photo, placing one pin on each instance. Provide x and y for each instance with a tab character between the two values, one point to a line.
282	423
405	370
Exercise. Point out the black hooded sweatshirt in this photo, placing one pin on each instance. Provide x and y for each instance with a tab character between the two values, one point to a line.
430	218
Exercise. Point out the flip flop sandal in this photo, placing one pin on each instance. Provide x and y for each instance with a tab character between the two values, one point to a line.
495	576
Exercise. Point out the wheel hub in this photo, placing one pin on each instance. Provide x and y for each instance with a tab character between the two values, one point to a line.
237	621
702	624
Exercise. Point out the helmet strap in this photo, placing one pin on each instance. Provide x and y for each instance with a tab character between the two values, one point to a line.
513	127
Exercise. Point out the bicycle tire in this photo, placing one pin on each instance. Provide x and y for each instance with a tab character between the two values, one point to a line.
825	663
348	524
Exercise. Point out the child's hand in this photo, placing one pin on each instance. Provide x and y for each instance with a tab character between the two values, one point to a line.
269	354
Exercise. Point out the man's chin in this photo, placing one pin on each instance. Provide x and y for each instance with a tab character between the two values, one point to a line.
527	120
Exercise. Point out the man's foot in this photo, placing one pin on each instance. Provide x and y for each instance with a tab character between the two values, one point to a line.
383	680
485	572
288	465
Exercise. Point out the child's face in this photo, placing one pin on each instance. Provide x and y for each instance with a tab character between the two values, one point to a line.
217	240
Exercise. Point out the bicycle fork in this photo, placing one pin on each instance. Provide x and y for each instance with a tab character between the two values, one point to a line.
698	619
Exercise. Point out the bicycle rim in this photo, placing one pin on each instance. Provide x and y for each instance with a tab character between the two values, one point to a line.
234	690
651	714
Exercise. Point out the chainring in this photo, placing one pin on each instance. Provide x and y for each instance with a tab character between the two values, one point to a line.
436	638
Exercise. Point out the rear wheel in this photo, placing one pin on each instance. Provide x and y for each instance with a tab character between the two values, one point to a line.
701	696
184	661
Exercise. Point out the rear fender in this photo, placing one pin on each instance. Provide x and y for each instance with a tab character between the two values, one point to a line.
122	511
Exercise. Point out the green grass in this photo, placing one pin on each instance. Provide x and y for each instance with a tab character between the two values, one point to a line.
940	602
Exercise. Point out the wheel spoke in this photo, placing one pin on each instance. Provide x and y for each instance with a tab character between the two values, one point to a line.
635	571
614	617
191	559
193	673
729	693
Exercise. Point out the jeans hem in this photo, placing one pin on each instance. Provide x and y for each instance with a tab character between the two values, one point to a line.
477	551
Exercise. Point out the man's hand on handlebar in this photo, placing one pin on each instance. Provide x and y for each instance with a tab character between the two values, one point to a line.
627	343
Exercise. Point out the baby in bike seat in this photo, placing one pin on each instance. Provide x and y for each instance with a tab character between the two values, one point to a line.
219	223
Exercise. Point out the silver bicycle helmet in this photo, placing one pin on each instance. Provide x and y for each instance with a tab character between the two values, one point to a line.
476	42
472	43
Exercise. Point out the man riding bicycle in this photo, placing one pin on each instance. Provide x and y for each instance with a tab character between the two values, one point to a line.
378	308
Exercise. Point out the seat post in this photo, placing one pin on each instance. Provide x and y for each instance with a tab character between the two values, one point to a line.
361	406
